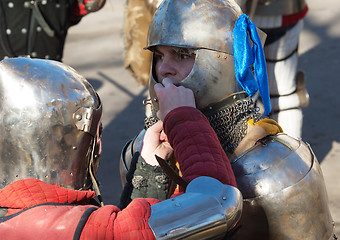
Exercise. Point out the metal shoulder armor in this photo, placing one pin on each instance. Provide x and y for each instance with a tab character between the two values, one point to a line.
283	190
130	149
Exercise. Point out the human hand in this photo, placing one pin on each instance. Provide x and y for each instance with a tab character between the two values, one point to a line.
171	97
155	142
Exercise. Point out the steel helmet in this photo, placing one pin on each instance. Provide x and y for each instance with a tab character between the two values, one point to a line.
50	123
207	27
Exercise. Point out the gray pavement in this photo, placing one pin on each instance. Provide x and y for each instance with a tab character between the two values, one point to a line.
94	48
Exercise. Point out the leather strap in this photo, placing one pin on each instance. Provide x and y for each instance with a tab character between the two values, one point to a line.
171	172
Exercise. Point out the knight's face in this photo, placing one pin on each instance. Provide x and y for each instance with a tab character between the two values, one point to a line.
173	63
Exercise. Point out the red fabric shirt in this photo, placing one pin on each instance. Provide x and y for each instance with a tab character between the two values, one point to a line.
61	211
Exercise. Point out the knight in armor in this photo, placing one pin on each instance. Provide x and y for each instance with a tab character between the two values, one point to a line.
281	20
38	28
50	152
215	50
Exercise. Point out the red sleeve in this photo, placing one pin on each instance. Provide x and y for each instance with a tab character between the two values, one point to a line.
109	222
196	146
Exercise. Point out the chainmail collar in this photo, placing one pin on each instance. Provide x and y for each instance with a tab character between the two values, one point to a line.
149	121
228	118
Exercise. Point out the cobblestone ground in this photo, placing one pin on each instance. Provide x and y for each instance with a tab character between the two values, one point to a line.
94	48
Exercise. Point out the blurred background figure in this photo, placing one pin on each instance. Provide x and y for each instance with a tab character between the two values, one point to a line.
137	18
281	20
38	28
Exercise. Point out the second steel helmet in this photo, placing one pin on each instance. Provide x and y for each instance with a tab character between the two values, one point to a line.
50	123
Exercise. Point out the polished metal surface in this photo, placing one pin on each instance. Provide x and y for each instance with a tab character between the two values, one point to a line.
279	7
191	24
271	7
206	26
283	190
130	149
95	5
208	210
42	105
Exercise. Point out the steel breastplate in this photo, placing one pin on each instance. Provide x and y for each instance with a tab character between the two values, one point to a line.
284	192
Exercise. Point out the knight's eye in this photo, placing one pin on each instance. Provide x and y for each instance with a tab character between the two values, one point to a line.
185	55
158	56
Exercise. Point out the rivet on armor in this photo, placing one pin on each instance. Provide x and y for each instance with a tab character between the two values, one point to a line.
44	2
33	54
74	148
10	5
16	176
8	31
155	99
71	174
39	29
146	101
78	117
224	198
46	176
234	97
88	116
47	57
23	30
57	5
27	4
5	57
